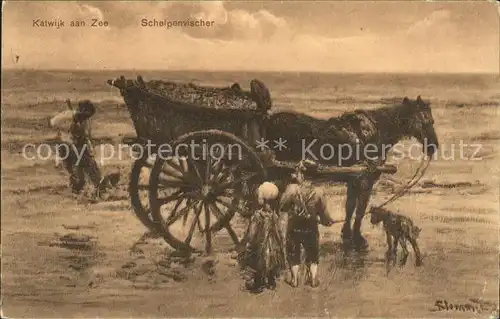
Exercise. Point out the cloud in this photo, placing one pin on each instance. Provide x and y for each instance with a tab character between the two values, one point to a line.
241	39
126	44
437	19
21	14
260	25
86	10
229	24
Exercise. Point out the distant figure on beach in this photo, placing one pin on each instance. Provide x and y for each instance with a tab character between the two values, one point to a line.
76	150
306	207
17	58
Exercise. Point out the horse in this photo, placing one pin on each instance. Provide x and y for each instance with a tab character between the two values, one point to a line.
379	129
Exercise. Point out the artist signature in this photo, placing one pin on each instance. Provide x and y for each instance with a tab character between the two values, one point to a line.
474	305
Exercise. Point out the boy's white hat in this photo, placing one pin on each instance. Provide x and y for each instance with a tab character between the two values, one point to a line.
267	191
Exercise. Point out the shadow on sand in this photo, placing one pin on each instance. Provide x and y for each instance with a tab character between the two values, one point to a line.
346	262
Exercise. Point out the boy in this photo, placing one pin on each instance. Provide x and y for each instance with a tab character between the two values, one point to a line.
76	150
263	243
306	207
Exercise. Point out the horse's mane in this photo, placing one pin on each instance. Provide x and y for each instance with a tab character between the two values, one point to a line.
383	125
384	112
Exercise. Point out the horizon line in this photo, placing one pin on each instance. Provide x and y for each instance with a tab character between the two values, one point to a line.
497	73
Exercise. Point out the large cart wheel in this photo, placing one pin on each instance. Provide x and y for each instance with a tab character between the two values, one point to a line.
210	176
139	190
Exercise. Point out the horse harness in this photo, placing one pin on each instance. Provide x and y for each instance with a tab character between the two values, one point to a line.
362	124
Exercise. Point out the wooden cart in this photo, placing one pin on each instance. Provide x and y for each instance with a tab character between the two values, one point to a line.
198	165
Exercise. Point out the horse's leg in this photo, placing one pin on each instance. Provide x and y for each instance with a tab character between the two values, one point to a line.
418	256
364	194
350	206
395	249
402	243
388	253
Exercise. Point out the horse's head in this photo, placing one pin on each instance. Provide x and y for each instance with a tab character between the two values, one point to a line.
420	123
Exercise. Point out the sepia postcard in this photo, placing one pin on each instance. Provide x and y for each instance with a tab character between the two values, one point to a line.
250	159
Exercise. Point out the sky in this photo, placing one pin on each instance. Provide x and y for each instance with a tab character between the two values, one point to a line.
316	36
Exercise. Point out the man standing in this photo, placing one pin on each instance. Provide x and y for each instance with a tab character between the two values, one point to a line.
306	207
76	149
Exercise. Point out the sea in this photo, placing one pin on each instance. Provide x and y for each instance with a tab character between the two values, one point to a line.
321	94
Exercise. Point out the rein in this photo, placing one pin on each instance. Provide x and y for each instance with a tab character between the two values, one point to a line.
419	173
424	164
